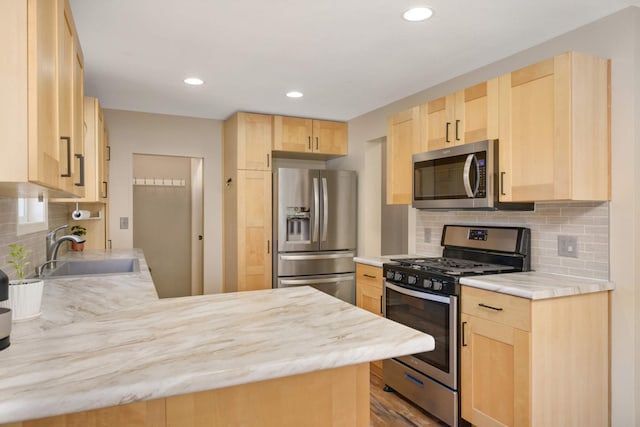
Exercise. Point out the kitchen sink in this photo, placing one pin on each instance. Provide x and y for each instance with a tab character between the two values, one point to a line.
91	267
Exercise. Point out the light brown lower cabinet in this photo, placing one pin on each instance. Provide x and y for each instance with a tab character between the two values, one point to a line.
534	362
336	397
369	283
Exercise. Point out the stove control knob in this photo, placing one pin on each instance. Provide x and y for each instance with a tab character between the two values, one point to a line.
427	283
390	275
437	286
398	276
412	280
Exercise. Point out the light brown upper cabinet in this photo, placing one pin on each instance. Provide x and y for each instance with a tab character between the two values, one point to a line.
321	138
70	102
248	141
469	115
403	140
554	130
96	154
42	67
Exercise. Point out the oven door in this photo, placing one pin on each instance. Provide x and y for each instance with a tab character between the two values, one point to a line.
435	315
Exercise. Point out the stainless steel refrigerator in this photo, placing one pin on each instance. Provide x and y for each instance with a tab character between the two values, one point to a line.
314	230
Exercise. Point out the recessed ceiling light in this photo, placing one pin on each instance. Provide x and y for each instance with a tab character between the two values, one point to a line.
294	94
194	81
417	14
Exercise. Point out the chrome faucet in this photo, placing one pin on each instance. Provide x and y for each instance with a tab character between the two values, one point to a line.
53	244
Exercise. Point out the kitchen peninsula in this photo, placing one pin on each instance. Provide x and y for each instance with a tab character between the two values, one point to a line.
106	349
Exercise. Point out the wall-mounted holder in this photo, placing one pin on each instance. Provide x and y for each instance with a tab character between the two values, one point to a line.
160	182
81	214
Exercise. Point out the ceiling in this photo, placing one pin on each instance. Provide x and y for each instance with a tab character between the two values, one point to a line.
348	57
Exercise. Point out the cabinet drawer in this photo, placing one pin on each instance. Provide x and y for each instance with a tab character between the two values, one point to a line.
369	274
497	307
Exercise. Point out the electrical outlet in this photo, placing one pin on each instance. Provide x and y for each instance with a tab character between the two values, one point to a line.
124	222
427	235
568	246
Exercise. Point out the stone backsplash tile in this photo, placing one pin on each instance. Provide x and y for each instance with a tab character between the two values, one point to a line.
587	221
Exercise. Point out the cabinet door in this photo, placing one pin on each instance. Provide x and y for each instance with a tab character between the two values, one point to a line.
66	82
535	149
369	284
554	130
329	137
254	141
44	145
403	139
495	374
103	180
78	130
476	117
441	122
254	230
292	134
369	288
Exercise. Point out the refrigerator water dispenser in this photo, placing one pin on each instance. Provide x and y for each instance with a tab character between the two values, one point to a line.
298	219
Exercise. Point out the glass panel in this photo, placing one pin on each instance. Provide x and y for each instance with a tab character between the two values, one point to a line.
426	316
443	178
32	215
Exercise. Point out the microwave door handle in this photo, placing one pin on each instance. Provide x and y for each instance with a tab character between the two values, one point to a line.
466	176
316	210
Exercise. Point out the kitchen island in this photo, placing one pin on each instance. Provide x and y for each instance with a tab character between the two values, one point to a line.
275	357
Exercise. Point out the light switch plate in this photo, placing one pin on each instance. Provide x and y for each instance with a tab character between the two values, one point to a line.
427	235
124	222
568	246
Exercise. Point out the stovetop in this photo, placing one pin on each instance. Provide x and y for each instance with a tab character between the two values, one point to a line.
468	250
452	266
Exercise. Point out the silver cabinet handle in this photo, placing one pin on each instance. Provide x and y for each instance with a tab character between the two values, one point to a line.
315	257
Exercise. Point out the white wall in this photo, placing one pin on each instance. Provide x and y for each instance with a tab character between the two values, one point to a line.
615	37
144	133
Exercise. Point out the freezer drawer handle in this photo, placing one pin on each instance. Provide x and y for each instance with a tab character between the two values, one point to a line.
312	257
316	281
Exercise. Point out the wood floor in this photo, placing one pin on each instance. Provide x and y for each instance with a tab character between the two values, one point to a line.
391	410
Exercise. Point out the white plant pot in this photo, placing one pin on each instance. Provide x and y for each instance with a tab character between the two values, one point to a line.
24	299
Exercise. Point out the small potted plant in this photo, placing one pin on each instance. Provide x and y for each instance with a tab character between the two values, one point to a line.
25	295
80	231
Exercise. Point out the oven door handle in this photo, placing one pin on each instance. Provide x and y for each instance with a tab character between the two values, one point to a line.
466	177
418	294
301	282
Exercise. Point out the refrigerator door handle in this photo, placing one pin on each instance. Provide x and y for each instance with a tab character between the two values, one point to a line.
301	282
316	210
325	209
312	257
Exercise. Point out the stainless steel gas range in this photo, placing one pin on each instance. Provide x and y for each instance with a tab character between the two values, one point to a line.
424	293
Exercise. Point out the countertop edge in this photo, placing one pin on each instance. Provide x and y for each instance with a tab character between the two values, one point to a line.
548	285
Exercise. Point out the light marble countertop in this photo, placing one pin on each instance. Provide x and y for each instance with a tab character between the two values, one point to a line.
533	285
107	340
377	261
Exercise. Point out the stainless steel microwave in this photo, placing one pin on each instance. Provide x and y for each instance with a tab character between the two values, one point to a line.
460	177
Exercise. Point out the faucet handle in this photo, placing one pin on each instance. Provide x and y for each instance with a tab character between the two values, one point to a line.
52	233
